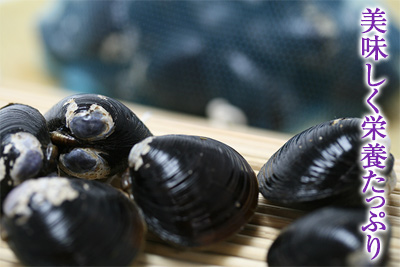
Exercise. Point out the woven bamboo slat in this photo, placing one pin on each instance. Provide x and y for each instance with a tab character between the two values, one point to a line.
247	248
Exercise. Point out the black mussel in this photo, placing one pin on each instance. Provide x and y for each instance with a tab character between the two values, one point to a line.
316	167
94	134
59	221
25	147
329	236
193	191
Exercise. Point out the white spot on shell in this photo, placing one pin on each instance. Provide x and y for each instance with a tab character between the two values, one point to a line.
102	97
2	169
25	143
70	101
70	113
35	192
336	122
86	187
7	148
140	149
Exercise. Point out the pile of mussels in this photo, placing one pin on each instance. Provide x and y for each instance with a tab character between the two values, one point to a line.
88	152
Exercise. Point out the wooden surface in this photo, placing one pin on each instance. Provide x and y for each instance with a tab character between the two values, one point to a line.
248	247
20	60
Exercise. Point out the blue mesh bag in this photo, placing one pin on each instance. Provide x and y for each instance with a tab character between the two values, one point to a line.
284	64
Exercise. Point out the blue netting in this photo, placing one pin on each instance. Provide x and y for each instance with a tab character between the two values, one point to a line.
284	63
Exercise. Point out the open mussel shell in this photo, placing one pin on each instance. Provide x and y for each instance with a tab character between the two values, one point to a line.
25	147
193	191
330	236
94	134
316	167
69	222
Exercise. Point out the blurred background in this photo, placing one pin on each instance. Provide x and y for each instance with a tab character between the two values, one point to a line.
278	65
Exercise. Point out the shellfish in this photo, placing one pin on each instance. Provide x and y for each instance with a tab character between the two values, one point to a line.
193	191
318	166
25	147
69	222
94	134
330	236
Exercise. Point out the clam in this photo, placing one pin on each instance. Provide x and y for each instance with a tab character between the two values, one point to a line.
330	236
194	191
318	166
94	134
25	147
69	222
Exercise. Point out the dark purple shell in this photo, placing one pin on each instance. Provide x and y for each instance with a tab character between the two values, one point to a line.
55	221
329	236
94	134
317	166
193	191
25	147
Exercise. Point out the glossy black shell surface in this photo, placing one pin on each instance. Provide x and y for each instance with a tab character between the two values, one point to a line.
317	166
329	236
58	221
83	139
24	144
193	191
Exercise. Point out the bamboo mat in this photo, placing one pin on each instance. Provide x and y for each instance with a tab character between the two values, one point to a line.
247	248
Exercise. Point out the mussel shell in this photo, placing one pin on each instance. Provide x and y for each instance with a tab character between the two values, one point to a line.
329	236
97	122
60	221
318	166
193	191
25	147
